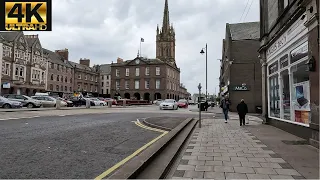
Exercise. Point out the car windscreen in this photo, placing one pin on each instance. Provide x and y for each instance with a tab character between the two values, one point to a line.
168	101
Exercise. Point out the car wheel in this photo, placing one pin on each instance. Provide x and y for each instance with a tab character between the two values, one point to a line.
6	106
30	105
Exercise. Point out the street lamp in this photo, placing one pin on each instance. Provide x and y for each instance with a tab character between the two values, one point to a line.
202	52
199	102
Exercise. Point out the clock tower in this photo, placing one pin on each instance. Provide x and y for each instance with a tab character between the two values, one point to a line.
165	39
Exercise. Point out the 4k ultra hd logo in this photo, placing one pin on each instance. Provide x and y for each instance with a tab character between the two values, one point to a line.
29	15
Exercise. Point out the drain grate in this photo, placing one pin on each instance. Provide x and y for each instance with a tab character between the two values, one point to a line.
301	142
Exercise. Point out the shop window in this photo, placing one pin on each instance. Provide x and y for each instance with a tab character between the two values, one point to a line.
285	89
274	96
301	93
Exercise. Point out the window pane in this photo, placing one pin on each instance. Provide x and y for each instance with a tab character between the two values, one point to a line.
274	96
285	85
301	93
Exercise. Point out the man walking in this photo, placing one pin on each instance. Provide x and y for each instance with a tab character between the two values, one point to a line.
225	105
242	109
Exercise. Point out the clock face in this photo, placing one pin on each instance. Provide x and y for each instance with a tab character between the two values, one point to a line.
137	61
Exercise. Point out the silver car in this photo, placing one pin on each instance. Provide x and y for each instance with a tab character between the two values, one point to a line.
6	103
25	100
48	101
169	104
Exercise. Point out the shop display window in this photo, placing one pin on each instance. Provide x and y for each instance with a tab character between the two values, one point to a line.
285	89
274	101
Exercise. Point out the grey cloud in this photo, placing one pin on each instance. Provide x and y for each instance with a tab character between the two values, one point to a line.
104	30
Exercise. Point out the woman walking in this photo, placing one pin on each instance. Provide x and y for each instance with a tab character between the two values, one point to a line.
242	109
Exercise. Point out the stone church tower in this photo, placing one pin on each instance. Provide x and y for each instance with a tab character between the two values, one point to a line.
165	40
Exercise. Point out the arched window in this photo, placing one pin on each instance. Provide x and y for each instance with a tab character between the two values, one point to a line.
51	87
70	80
57	87
66	79
61	78
66	88
70	89
52	77
58	78
61	88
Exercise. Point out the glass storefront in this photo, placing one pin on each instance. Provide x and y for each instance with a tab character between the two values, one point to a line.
289	88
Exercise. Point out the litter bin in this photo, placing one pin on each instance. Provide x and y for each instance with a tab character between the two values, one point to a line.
58	104
202	107
88	103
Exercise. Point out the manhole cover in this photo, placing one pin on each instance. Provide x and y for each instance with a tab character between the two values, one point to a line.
302	142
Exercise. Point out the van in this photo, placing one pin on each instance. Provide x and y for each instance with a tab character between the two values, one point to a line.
41	94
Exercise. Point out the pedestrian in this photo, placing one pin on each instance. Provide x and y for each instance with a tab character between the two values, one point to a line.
225	105
242	109
206	105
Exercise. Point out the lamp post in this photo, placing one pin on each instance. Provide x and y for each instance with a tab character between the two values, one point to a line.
202	52
199	102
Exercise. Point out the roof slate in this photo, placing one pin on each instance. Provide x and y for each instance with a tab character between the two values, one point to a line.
105	68
82	67
247	30
9	36
56	58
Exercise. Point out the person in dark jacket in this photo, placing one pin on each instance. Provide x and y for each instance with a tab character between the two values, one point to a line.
242	109
225	105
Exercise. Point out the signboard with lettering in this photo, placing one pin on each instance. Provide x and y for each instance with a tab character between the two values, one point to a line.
242	87
284	61
273	67
299	53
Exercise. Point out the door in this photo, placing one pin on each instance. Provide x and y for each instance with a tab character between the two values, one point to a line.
19	98
49	101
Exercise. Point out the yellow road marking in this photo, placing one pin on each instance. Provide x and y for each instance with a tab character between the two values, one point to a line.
116	166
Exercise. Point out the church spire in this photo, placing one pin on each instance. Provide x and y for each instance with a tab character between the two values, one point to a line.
166	21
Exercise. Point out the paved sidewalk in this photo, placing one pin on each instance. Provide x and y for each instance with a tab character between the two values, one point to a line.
227	151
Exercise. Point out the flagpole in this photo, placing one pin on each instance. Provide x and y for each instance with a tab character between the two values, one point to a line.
140	48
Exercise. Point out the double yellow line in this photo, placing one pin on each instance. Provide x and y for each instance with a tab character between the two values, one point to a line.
116	166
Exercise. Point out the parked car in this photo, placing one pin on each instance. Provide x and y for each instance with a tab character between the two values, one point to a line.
114	102
169	104
69	103
48	101
158	102
182	103
25	100
6	103
98	102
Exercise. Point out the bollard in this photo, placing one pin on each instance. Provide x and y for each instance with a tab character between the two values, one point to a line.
124	103
110	104
88	103
58	104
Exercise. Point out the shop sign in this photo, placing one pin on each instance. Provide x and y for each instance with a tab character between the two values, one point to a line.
299	53
287	36
284	61
6	85
242	87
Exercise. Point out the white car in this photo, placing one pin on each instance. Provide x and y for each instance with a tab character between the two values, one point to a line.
98	102
169	104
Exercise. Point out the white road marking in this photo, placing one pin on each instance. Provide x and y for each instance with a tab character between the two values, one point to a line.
62	115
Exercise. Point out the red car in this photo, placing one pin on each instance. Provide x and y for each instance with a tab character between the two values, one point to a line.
182	103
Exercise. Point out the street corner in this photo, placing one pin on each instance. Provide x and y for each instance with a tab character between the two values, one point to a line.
164	123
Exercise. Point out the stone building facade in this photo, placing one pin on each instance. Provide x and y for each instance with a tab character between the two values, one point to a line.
289	55
86	78
60	73
240	73
105	80
24	66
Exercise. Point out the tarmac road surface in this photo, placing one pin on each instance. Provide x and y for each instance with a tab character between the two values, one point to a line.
75	146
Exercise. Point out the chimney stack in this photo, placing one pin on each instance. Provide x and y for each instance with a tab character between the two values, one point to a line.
63	53
85	62
119	60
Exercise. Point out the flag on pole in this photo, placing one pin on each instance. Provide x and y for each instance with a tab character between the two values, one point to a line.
142	40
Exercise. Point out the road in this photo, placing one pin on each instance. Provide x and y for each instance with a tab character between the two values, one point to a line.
74	146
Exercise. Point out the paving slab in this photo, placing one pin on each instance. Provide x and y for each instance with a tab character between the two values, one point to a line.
228	151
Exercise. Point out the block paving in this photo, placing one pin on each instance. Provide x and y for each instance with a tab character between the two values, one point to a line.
222	150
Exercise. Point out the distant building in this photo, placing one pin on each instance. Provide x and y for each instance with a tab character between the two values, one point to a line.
86	78
24	66
147	78
60	72
105	80
240	73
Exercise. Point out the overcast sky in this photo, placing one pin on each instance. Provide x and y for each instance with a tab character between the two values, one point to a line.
103	30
